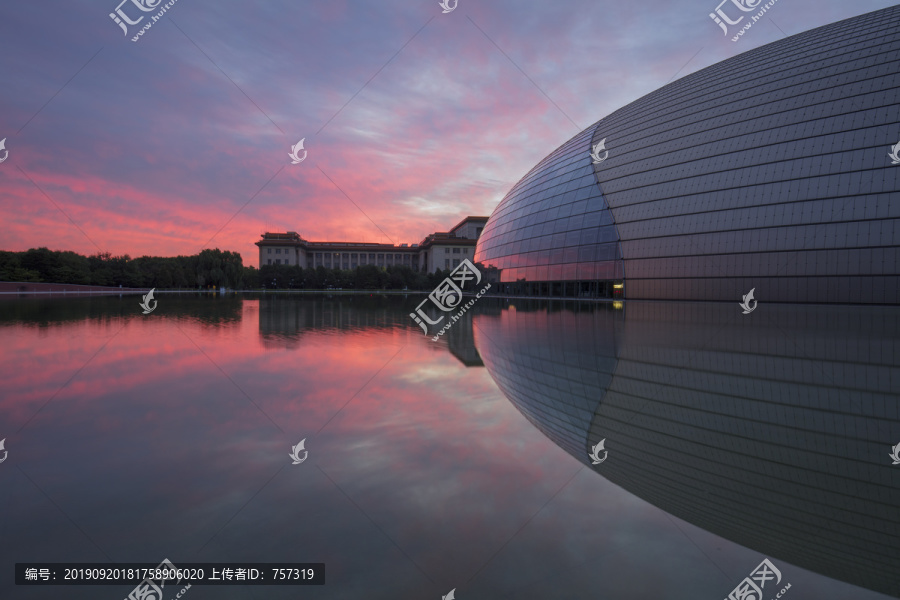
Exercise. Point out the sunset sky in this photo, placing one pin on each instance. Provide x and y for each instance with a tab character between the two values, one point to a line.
412	118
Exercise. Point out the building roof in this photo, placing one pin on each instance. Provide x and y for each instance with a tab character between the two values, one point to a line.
467	220
294	239
446	239
269	238
357	246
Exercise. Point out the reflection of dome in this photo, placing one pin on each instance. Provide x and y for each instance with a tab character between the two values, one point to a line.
769	170
773	433
557	386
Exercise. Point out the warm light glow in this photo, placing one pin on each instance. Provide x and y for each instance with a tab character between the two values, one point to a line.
618	286
618	305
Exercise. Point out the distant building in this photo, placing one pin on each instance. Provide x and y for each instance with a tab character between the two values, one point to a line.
445	250
440	250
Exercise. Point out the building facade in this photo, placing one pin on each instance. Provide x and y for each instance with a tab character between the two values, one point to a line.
445	250
770	170
438	251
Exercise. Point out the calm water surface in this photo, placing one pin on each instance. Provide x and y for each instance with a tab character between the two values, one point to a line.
458	464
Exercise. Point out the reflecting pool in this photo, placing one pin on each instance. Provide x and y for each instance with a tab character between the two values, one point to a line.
459	464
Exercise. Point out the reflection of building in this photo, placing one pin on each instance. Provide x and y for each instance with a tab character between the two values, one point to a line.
442	250
769	170
773	433
461	341
284	319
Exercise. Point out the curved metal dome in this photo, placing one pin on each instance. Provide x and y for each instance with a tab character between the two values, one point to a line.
769	170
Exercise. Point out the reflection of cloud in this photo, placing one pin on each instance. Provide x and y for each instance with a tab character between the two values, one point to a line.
187	449
162	452
431	374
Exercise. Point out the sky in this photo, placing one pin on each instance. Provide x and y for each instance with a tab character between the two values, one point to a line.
411	118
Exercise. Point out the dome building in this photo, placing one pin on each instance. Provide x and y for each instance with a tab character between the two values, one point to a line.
770	170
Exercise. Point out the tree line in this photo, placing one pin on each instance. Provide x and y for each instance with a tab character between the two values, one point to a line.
209	269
